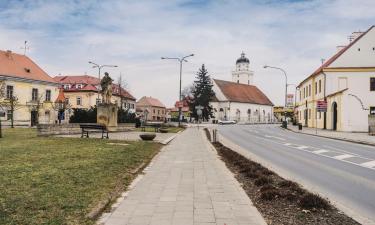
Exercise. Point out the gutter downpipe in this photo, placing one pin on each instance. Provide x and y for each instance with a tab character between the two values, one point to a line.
325	99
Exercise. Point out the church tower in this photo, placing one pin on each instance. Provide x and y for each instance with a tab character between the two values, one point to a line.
242	74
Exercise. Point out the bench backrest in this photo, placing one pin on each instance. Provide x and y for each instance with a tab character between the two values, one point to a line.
93	126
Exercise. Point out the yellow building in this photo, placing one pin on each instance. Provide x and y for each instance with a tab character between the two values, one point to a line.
346	82
151	109
82	92
27	92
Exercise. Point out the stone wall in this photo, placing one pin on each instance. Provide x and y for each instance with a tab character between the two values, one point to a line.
72	128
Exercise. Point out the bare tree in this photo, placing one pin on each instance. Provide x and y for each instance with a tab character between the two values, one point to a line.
122	84
9	103
187	91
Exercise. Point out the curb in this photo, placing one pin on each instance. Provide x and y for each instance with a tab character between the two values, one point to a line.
166	141
333	138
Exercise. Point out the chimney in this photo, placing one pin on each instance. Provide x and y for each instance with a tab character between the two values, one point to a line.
340	47
8	54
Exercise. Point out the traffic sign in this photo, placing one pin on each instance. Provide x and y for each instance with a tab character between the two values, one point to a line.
321	106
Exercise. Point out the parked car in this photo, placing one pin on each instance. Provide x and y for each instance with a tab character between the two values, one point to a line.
222	122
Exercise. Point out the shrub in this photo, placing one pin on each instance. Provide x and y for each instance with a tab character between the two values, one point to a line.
262	181
83	115
125	116
269	195
311	201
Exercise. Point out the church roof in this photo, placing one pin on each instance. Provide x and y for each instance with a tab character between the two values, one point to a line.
242	59
243	93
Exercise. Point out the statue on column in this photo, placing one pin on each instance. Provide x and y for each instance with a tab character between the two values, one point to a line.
106	84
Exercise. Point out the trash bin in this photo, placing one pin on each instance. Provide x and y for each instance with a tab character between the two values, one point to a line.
285	124
300	126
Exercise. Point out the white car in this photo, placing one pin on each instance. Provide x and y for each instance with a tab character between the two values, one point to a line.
221	122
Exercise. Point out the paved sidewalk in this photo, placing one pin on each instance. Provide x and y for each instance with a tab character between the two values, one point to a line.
363	138
186	184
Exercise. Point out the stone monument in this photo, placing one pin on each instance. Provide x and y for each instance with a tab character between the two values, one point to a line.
107	111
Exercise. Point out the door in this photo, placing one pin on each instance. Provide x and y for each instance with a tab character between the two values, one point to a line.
334	116
34	118
306	117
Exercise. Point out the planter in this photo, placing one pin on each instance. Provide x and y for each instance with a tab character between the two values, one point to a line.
163	130
147	137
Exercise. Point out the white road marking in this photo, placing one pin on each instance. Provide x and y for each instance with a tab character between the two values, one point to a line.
302	147
279	138
340	150
287	144
368	164
320	151
345	156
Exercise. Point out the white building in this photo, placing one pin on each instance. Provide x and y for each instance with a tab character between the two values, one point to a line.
347	82
240	100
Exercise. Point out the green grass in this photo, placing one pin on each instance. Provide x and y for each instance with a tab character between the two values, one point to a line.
59	180
170	129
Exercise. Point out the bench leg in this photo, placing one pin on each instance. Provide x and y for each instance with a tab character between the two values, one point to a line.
87	134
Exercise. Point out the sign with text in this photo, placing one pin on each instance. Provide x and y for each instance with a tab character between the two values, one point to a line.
321	106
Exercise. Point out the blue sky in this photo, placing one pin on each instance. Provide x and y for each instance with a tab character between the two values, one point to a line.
295	35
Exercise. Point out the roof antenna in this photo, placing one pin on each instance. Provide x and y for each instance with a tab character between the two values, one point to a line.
322	60
25	48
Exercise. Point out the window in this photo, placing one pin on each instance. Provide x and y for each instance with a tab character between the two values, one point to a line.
309	89
48	95
9	115
9	91
316	87
309	113
372	110
154	111
67	100
79	101
304	92
79	86
158	111
320	115
34	94
372	84
320	86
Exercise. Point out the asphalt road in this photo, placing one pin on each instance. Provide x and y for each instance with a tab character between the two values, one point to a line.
341	171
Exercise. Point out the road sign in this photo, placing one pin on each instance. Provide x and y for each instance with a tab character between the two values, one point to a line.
180	104
321	106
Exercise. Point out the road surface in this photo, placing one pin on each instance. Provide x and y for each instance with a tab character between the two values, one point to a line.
341	171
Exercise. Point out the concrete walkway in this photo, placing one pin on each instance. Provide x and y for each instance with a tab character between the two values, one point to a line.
186	184
362	138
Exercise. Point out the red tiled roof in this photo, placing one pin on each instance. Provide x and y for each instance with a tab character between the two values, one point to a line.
242	93
61	96
183	109
21	66
89	84
149	101
335	56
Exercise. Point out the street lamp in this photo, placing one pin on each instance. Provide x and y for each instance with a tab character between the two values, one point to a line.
286	84
99	68
181	60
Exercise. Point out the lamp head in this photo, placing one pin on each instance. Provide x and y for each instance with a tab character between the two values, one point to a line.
265	67
162	58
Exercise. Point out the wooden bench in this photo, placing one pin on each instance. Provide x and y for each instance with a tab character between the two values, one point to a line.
92	127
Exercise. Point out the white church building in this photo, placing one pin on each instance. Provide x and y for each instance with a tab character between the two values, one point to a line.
240	99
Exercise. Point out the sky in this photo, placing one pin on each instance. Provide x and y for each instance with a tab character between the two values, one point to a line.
292	34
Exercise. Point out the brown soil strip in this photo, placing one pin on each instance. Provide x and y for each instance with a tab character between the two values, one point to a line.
280	201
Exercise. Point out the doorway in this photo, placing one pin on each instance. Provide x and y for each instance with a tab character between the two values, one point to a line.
334	116
34	118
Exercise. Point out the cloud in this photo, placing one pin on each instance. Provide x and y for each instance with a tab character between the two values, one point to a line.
65	35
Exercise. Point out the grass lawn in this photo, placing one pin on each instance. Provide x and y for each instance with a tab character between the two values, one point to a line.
170	129
59	180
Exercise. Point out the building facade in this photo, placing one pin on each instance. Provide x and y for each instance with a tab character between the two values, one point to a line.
83	92
27	92
347	83
151	109
240	100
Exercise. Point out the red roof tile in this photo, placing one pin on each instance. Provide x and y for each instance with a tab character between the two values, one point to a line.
242	93
21	66
149	101
89	84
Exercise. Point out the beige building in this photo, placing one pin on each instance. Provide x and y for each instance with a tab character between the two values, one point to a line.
151	109
346	82
31	90
82	92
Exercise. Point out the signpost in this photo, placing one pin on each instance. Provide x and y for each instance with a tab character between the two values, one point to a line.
321	106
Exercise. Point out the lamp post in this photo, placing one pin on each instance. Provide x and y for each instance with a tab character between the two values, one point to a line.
286	84
181	60
99	69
